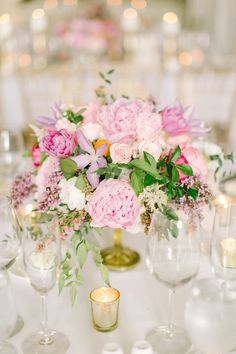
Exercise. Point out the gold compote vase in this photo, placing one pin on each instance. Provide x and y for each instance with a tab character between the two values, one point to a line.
119	257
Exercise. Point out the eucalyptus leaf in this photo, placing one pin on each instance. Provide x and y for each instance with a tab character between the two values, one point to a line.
73	294
61	282
82	253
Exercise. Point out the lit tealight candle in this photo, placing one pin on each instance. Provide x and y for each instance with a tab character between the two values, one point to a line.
228	252
105	307
223	201
38	21
170	24
5	26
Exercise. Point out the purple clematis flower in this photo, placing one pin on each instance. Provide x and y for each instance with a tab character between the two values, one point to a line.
50	122
91	157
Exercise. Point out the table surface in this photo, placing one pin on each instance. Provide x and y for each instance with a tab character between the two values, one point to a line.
143	305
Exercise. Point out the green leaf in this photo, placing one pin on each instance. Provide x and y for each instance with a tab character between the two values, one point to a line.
81	182
110	72
73	294
170	213
174	174
174	230
101	171
68	167
82	253
193	192
185	168
144	166
175	154
61	282
149	158
82	110
136	179
105	274
149	180
229	157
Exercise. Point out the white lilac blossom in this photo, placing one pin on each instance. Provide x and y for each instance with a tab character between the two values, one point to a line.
153	197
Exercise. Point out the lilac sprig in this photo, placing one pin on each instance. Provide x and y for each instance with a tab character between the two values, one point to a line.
194	208
21	189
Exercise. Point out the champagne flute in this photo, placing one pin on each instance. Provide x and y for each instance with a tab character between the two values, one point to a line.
223	244
9	245
41	253
173	257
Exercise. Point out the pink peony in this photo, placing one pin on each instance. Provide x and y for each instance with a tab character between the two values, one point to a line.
113	204
50	165
174	121
91	113
124	120
196	161
36	155
121	153
177	120
58	143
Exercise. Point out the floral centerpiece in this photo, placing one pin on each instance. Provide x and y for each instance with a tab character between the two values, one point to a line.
113	163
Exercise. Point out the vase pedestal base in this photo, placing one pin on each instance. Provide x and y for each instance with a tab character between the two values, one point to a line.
120	258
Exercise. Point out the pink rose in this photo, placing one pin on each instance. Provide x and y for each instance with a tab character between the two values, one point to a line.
121	153
36	155
59	143
196	161
124	119
113	204
180	140
177	120
91	113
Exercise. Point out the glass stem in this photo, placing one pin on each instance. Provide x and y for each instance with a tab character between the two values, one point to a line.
117	238
171	293
46	338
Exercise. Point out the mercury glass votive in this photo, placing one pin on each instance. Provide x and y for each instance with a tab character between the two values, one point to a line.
105	308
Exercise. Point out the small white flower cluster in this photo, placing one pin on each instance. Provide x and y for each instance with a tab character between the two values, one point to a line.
153	197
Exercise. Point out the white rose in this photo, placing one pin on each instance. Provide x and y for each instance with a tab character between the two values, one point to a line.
64	123
207	147
153	148
70	195
121	153
92	131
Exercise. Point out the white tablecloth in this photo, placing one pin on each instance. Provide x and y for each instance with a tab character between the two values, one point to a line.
143	305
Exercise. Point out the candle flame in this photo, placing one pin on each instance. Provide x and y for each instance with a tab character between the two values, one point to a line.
38	13
170	17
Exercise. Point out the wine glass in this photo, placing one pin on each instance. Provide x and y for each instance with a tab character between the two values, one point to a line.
9	245
41	254
11	152
173	257
223	244
210	316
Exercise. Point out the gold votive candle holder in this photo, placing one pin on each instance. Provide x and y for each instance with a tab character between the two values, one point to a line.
228	252
105	308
